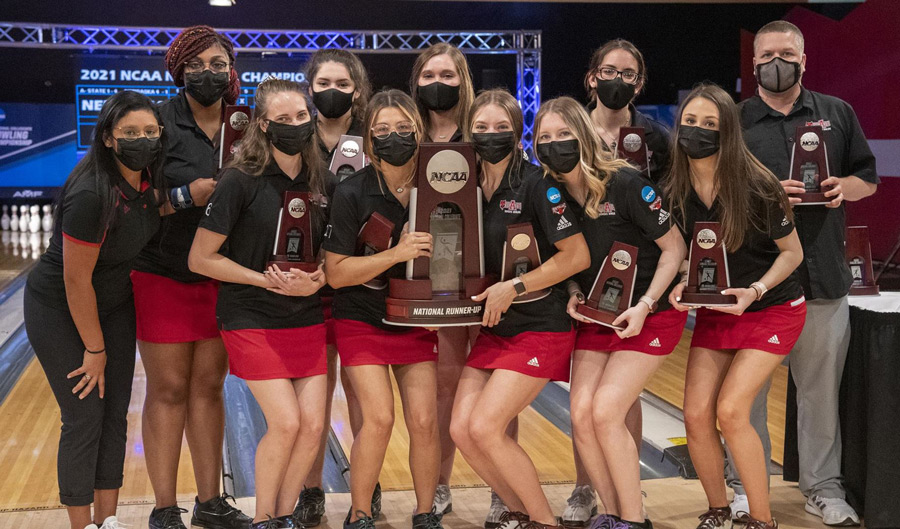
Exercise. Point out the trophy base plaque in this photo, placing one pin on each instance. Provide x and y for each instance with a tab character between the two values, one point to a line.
706	299
814	199
865	291
451	309
599	316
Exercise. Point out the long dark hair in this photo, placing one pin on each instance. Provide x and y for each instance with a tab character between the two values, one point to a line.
354	66
601	53
741	183
99	164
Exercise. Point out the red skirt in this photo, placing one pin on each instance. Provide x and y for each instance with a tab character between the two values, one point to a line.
170	311
536	354
329	320
361	344
266	354
659	336
773	330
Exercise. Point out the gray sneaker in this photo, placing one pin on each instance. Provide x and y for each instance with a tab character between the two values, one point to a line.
443	502
493	519
582	506
833	511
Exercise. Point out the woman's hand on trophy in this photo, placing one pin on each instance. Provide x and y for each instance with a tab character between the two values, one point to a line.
675	297
793	187
499	297
412	245
745	296
295	283
572	308
633	318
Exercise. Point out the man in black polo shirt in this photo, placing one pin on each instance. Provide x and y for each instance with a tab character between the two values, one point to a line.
770	119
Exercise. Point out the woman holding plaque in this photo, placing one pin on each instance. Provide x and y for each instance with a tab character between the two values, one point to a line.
271	319
514	358
441	84
370	348
614	203
340	90
735	348
179	342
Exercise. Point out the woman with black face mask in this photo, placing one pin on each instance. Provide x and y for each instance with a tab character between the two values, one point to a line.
370	348
616	76
180	346
735	348
514	358
79	308
271	319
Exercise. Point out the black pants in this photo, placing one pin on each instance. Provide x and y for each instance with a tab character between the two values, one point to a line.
92	442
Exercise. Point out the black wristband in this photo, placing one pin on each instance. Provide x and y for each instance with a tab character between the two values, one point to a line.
88	351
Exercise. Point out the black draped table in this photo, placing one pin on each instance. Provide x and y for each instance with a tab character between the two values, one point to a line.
870	412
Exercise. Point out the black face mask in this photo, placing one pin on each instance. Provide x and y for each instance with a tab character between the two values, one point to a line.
615	94
560	156
395	150
289	139
438	96
332	103
698	143
206	87
494	146
778	74
137	154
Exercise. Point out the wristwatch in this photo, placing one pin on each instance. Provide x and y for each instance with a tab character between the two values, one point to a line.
650	302
519	285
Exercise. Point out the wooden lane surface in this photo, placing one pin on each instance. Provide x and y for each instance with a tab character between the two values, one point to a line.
29	441
668	384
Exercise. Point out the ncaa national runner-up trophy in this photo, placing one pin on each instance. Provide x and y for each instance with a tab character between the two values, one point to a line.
707	269
859	258
446	202
809	165
234	123
293	238
612	291
632	146
348	157
520	256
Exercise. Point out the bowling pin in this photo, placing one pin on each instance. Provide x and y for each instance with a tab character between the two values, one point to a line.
4	220
34	219
14	219
23	218
47	218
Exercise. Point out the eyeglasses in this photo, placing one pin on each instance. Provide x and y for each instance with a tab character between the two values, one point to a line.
383	130
629	76
197	66
130	133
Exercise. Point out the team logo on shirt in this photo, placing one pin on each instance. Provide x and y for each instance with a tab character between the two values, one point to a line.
560	209
553	195
607	209
648	194
706	239
511	206
350	149
448	172
563	224
824	123
656	205
297	208
621	260
809	141
663	216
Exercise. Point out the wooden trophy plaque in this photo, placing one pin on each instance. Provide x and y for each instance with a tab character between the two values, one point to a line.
612	291
375	237
234	123
446	202
859	258
348	157
707	269
520	256
809	165
632	146
293	239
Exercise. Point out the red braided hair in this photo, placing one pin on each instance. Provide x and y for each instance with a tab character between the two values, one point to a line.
193	41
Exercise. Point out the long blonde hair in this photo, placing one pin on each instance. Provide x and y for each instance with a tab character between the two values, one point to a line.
597	164
466	90
392	98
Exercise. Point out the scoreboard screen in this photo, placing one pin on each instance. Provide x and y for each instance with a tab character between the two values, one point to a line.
100	76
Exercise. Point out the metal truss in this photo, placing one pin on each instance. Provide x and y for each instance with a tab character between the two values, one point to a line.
526	45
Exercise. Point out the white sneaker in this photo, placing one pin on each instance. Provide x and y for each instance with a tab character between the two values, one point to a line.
443	502
740	509
493	519
112	522
582	505
91	526
833	511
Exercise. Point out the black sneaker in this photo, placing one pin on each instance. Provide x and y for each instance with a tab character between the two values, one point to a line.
364	522
376	501
273	523
310	507
167	518
427	520
217	513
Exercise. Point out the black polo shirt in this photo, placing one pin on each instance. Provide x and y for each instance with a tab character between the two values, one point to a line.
246	209
78	219
356	129
769	135
190	155
631	213
657	136
354	201
753	259
528	197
